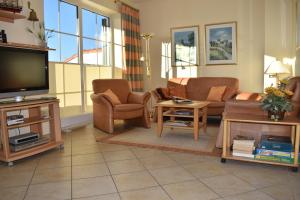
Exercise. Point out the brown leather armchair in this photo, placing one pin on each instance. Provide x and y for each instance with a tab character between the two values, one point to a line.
133	108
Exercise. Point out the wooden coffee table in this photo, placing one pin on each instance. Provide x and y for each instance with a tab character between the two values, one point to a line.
197	108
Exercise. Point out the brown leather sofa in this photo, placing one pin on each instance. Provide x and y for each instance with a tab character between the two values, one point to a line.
198	89
132	109
249	104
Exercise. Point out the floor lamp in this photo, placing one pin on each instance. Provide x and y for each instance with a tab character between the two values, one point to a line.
146	59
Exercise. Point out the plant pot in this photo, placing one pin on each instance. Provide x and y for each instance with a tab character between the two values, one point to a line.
276	115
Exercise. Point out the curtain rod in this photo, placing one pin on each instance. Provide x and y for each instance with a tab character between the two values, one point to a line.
119	1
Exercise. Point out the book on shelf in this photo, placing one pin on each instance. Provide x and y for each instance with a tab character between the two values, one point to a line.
278	143
274	159
241	154
179	123
183	112
243	146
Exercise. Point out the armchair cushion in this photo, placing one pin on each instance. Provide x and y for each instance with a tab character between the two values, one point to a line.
138	98
216	93
128	107
112	97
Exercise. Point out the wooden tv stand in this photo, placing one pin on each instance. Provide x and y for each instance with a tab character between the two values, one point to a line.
39	112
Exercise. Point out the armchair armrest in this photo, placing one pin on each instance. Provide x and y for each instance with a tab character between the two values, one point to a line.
101	99
140	98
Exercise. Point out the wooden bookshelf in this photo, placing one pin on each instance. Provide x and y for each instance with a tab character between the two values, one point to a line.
288	121
10	17
34	121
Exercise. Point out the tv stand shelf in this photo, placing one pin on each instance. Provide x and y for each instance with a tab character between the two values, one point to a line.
34	121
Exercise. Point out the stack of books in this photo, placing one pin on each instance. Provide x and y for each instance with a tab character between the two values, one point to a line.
275	149
243	146
179	123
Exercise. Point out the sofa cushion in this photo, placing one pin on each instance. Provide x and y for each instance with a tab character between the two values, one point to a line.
216	93
112	97
128	107
229	93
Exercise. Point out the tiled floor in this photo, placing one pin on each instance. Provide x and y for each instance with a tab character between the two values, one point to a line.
88	170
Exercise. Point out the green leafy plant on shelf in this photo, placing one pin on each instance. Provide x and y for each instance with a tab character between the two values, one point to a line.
276	100
41	34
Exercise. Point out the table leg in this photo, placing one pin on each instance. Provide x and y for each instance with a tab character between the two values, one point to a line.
224	153
159	120
196	124
293	134
204	118
297	145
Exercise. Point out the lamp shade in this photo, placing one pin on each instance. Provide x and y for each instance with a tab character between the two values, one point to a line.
277	67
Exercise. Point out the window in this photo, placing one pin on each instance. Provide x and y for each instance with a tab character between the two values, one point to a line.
72	66
166	68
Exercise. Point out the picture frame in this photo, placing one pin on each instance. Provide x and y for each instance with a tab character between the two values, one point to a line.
185	46
221	43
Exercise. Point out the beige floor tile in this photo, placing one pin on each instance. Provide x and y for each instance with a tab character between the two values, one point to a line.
125	166
145	152
13	193
171	175
191	190
204	169
112	147
28	164
86	149
227	185
53	162
133	181
114	196
87	159
185	158
257	195
261	176
10	179
52	175
50	191
88	171
154	193
118	155
66	151
282	192
158	161
93	187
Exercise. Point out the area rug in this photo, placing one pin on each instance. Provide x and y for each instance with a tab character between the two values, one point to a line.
179	140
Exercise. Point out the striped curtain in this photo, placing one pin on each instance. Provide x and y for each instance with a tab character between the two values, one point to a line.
133	70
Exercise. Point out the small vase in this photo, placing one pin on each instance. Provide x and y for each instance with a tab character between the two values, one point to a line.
276	115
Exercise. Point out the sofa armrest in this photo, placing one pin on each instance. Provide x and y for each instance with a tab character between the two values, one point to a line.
140	98
253	96
156	96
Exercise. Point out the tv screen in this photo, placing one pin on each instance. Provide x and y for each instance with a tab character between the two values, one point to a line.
23	72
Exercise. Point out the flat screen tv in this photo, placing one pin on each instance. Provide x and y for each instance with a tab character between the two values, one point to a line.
23	72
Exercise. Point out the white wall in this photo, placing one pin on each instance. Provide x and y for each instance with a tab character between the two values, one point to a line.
158	16
16	32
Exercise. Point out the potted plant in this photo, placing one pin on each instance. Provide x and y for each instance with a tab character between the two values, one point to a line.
276	101
41	34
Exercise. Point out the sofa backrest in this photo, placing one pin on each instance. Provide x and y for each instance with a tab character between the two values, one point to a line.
294	86
119	86
198	88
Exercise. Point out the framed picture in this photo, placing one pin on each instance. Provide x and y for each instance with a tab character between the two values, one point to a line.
185	46
220	43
